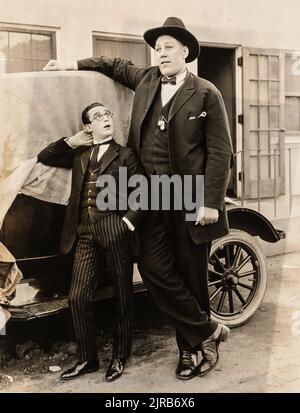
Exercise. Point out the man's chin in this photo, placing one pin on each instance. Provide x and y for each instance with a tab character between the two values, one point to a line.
165	71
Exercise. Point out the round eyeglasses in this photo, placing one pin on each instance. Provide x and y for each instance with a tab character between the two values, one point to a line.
100	116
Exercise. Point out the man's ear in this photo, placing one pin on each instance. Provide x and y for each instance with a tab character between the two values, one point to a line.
87	127
185	51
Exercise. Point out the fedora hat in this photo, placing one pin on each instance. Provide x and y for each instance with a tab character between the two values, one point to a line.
174	27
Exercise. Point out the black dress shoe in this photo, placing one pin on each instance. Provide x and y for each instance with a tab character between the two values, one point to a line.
115	369
79	369
210	350
186	365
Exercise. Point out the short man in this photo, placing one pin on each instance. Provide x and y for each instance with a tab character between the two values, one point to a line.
179	126
103	235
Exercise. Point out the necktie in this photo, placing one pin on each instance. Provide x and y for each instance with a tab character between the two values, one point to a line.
95	151
170	80
94	155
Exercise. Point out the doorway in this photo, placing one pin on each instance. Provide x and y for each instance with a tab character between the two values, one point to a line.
218	65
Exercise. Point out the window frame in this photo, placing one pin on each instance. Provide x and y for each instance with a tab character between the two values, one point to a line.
42	30
123	38
290	93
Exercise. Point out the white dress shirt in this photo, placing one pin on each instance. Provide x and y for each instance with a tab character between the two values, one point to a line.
168	90
102	148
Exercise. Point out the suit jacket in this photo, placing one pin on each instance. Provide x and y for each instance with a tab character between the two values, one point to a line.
60	154
197	144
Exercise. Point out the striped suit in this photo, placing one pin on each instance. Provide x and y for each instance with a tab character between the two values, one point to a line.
103	242
100	244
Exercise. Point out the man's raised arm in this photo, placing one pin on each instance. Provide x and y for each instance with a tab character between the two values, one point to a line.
61	153
123	71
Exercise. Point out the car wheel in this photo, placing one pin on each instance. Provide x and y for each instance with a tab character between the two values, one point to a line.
237	278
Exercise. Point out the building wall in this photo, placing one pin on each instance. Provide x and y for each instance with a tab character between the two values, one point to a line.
255	23
247	23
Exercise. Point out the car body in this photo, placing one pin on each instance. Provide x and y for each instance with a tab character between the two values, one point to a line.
31	231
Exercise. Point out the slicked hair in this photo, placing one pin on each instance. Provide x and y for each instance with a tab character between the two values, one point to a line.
85	113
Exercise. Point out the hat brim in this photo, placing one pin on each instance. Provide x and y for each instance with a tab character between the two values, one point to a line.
179	33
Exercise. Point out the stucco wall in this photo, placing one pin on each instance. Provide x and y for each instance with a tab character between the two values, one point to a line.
256	23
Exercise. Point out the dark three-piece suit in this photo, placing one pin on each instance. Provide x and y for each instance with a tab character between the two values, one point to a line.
103	240
174	252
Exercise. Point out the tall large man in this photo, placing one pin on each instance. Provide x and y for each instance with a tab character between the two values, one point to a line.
179	126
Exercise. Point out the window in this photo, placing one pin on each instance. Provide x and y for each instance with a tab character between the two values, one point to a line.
292	92
135	50
25	50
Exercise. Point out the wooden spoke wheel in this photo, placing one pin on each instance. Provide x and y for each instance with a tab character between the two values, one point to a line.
237	277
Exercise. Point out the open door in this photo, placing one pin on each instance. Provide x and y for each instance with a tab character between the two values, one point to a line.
263	140
217	64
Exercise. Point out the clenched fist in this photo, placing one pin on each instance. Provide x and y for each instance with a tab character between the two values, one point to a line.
59	65
207	216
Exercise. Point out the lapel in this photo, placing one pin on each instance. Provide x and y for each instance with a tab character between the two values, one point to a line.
84	159
154	85
109	155
183	94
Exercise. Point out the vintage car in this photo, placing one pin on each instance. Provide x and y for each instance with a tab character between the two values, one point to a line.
237	265
46	108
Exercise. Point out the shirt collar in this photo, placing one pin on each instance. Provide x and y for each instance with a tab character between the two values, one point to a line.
181	78
104	140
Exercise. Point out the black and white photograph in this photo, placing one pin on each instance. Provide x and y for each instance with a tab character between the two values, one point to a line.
149	199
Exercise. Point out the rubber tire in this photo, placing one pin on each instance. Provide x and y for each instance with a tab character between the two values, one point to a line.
242	318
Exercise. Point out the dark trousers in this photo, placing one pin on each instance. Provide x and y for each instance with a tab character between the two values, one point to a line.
174	269
102	244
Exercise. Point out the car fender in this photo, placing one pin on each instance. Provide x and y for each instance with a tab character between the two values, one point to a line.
254	223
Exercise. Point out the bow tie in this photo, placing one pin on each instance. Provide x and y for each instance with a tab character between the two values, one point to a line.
171	80
104	143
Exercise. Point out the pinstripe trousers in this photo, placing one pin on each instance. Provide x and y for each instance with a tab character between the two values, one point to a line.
102	244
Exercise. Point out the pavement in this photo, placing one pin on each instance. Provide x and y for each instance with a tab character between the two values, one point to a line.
262	356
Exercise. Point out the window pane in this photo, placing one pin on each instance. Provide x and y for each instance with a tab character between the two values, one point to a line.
20	45
4	43
292	113
136	52
38	65
274	67
263	92
253	117
24	52
274	92
18	65
253	69
253	142
41	47
274	117
292	73
263	67
264	117
253	94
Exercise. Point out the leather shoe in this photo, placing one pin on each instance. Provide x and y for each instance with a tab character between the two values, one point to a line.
186	365
115	369
79	369
210	350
